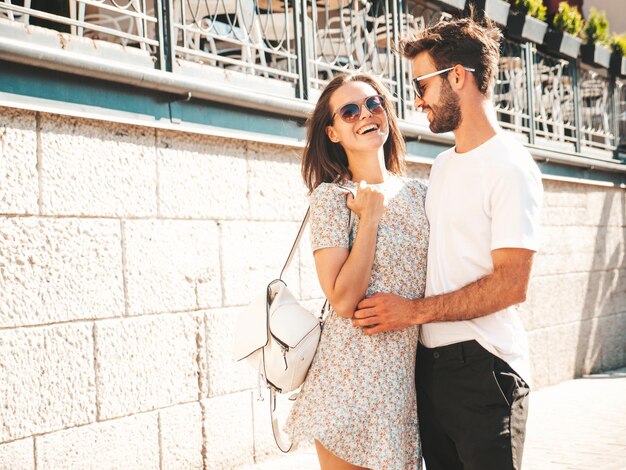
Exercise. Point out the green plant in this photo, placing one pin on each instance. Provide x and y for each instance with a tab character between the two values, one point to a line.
568	19
534	8
618	44
597	28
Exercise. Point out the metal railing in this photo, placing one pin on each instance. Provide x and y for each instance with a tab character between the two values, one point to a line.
256	39
553	83
511	92
596	106
127	22
294	47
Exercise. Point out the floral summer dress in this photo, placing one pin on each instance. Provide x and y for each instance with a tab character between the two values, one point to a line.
358	399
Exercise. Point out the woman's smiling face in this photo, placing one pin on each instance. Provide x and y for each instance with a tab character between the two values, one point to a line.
369	131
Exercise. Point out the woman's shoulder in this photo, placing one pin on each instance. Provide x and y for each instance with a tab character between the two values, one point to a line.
330	193
333	189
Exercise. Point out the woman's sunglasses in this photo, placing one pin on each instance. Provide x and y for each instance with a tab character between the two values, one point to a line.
351	112
419	90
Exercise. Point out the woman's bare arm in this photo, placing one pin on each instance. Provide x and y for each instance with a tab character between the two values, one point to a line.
344	274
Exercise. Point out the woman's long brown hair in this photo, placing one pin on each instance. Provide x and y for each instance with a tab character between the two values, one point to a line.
324	161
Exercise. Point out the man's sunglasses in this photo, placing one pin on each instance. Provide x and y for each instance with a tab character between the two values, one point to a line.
352	111
419	90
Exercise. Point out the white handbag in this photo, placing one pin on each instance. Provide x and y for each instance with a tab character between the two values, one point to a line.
279	337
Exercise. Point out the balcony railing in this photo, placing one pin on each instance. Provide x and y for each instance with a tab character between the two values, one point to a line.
293	47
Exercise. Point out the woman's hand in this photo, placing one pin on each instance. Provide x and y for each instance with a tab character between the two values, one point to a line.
345	274
369	204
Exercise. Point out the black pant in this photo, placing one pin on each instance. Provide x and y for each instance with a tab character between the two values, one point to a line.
472	409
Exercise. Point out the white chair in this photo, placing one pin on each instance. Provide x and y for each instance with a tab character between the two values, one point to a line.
13	16
279	33
197	20
342	40
127	19
380	39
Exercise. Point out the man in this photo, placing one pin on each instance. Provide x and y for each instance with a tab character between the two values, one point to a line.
483	206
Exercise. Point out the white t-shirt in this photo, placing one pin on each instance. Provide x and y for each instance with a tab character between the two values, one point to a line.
478	201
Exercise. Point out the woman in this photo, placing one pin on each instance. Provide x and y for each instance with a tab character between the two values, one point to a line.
358	401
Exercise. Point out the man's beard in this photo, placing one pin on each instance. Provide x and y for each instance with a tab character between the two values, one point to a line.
447	114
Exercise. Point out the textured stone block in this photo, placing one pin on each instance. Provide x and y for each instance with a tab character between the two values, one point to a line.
581	249
569	239
616	284
566	298
610	289
97	168
131	443
276	190
560	263
613	333
539	358
609	248
172	265
554	352
17	455
225	375
146	363
530	315
564	194
564	343
569	216
253	254
46	379
607	206
181	437
202	176
228	423
19	186
562	352
589	349
59	269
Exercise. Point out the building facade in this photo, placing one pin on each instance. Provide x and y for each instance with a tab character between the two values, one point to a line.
150	186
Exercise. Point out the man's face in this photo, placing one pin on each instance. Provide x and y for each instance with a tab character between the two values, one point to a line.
438	100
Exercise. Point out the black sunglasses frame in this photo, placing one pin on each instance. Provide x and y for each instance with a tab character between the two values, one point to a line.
373	109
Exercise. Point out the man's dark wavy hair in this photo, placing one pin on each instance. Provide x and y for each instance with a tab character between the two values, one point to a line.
463	41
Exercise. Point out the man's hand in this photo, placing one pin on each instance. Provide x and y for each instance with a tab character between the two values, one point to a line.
384	312
505	286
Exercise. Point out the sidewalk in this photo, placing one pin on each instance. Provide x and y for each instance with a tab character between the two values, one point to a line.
575	425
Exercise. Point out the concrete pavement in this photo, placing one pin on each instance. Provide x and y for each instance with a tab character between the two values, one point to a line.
575	425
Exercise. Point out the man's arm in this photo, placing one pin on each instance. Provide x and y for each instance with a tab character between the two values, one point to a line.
505	286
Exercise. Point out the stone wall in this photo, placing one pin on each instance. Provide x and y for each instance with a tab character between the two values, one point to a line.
126	254
575	314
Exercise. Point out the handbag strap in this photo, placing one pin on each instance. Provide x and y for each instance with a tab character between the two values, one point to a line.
278	437
296	242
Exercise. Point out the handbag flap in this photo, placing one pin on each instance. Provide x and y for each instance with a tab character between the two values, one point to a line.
290	322
251	332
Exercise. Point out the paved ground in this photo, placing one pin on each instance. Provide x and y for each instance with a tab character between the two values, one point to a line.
575	425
